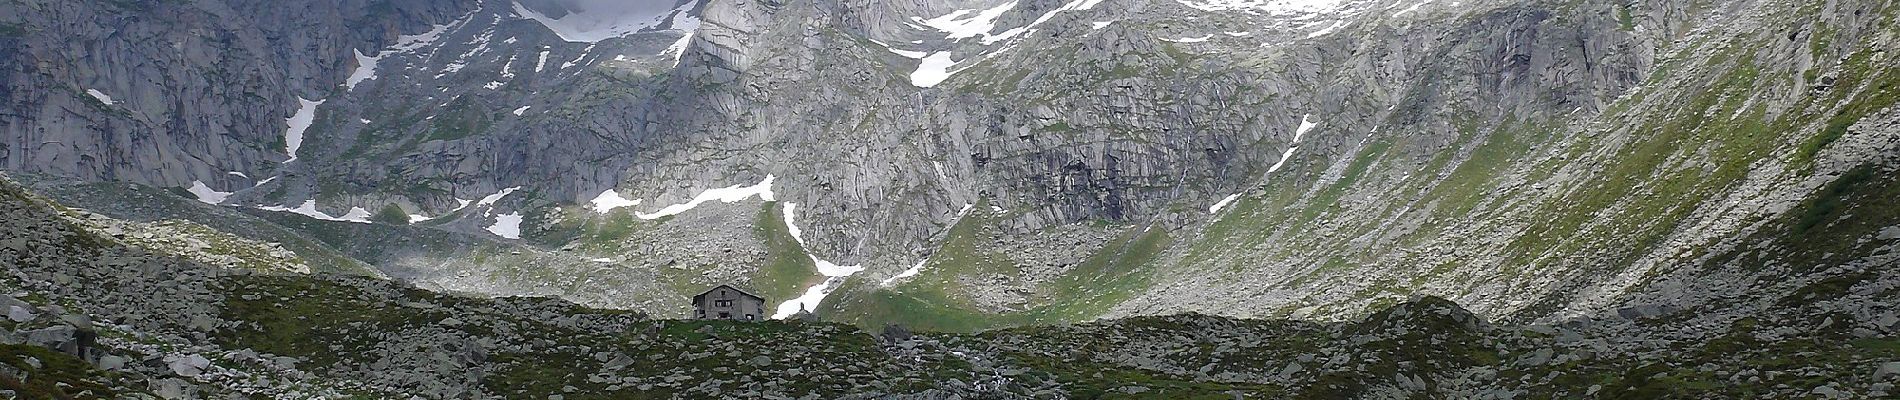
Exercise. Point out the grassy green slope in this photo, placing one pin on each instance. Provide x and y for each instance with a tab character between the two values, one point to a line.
936	300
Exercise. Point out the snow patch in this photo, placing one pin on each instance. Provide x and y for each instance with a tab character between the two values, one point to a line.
1266	6
541	63
933	69
791	223
1203	38
1223	203
683	23
103	98
967	23
913	271
834	274
507	226
608	20
1072	6
1283	157
610	200
299	122
835	277
206	194
309	209
356	214
1414	7
678	48
1306	124
523	109
491	199
905	53
729	194
365	70
508	69
1329	30
1101	24
407	43
577	61
238	174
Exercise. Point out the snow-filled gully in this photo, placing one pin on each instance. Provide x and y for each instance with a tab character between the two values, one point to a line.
1306	124
835	274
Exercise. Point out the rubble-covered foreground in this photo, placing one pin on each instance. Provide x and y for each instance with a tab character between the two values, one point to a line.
89	315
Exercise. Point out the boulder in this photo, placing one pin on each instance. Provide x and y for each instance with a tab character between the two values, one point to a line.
110	363
188	365
20	314
55	337
1890	370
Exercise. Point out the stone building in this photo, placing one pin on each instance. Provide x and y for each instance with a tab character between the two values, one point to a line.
729	302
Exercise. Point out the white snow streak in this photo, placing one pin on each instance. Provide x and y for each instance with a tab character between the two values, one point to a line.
103	98
1327	31
791	223
491	199
1190	39
521	110
309	209
1306	124
612	19
293	137
913	271
727	195
412	42
1268	6
206	194
610	200
1223	203
1414	7
834	274
907	54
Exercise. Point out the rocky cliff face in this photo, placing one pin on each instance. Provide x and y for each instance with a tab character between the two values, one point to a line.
958	165
167	93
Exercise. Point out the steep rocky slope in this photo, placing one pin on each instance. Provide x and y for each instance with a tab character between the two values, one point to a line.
971	164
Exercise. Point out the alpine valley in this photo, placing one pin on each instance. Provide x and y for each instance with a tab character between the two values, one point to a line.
950	199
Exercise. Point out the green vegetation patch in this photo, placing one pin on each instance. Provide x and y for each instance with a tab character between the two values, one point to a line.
788	269
932	300
55	375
